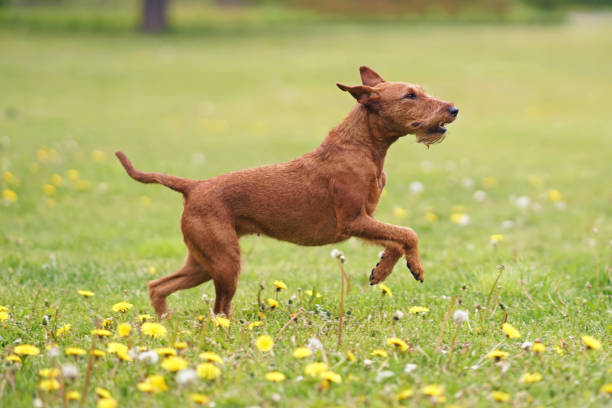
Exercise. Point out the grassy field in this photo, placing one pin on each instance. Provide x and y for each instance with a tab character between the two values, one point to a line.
528	159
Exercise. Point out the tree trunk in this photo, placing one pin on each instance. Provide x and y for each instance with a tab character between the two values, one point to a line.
154	15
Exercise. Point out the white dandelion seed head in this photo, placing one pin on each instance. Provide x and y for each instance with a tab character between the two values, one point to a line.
467	183
53	352
460	316
526	345
275	397
186	376
507	224
464	220
416	187
299	378
368	362
480	195
398	315
70	371
503	365
148	357
522	202
410	368
383	375
133	352
314	344
37	403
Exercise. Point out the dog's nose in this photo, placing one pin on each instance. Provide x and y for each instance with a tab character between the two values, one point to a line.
453	110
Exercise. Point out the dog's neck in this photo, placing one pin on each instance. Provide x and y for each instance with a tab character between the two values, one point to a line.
364	130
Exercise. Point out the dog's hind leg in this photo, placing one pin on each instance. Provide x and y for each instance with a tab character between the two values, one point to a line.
190	275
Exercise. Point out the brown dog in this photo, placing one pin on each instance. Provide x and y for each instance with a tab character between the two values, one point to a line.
322	197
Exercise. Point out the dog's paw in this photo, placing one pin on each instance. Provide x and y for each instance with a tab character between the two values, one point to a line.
417	271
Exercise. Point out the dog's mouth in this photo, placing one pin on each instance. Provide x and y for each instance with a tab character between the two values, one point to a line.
439	128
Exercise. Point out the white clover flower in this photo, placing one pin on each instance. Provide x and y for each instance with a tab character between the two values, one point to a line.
410	368
416	187
186	376
480	195
70	371
460	316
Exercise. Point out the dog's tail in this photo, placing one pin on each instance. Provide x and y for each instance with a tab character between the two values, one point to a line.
179	184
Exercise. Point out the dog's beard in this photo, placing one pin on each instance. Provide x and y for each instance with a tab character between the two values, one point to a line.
430	138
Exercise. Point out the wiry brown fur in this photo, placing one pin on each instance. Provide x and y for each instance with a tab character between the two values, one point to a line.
322	197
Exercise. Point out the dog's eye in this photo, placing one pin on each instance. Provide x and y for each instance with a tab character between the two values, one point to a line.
410	95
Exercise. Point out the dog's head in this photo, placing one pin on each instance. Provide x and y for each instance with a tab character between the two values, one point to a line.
403	108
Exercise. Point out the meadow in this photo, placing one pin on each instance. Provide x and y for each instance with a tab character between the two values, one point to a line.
513	211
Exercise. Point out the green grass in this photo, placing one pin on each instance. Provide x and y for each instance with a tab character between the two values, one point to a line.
534	103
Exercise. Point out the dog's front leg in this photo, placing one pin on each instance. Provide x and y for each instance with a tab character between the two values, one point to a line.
367	227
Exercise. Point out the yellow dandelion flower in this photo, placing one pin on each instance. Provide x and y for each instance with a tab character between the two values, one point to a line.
554	195
489	182
350	356
107	323
404	394
591	342
144	200
498	354
4	316
208	371
500	396
63	330
315	369
496	239
73	395
4	308
49	189
13	358
103	393
199	399
114	348
222	321
98	156
528	378
397	342
144	317
433	390
124	330
559	350
606	389
302	352
123	356
49	385
154	330
174	363
399	212
26	350
154	383
57	180
86	293
310	293
101	332
98	353
275	376
385	290
180	345
9	196
73	175
331	376
379	353
538	347
510	331
210	356
165	351
122	307
255	324
431	217
264	343
49	372
8	177
418	309
42	155
280	285
74	351
107	403
272	303
83	185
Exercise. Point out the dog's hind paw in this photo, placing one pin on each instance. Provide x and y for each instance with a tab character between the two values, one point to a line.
417	272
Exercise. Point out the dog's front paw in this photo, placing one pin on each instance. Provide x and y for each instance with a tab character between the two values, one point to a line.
417	271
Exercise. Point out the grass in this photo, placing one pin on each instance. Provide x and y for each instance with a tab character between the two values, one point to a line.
533	118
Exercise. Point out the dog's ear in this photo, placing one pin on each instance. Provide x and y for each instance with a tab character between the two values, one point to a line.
364	94
369	77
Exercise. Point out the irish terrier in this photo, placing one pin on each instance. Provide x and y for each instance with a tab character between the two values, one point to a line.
322	197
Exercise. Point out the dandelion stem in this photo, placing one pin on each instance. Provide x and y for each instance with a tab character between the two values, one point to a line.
88	372
293	318
446	317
